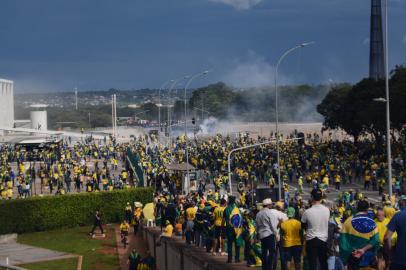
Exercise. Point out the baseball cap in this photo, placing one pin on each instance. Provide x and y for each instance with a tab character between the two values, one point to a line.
290	212
267	201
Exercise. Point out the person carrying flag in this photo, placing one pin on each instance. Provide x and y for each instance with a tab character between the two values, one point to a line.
233	222
359	239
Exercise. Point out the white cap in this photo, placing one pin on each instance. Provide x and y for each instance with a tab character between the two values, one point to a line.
267	201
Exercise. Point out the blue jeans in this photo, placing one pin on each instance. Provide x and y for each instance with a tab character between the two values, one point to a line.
268	247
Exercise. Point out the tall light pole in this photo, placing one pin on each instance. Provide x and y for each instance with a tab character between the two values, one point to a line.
89	121
174	83
113	114
388	140
277	113
160	104
76	98
191	78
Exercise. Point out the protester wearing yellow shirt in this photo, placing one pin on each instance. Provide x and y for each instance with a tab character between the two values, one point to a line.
381	223
124	227
191	213
389	211
219	229
168	231
291	230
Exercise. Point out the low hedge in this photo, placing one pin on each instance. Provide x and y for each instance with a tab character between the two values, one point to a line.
52	212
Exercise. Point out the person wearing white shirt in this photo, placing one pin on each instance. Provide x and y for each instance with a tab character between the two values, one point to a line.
315	220
267	229
281	216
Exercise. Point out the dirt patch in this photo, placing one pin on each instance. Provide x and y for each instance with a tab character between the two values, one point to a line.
108	251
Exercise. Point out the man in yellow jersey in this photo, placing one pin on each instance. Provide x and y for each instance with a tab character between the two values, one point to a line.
219	229
166	233
291	230
190	213
381	223
124	228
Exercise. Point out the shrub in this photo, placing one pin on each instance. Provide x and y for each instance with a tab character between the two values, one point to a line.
52	212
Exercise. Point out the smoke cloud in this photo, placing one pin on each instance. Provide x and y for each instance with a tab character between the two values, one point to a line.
253	71
239	4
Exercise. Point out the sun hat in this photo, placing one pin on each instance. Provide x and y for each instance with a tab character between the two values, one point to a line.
267	201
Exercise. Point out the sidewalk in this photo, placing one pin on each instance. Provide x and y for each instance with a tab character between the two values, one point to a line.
23	254
136	242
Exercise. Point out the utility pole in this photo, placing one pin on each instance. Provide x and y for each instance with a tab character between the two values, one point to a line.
76	98
113	115
89	121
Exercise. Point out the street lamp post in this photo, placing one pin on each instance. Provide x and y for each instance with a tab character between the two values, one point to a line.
277	113
388	140
174	83
191	78
159	104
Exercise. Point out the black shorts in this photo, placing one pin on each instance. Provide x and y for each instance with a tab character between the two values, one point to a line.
294	252
219	231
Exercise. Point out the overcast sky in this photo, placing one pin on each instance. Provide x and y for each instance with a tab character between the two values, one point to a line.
55	45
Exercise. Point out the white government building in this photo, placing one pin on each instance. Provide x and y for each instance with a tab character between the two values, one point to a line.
6	103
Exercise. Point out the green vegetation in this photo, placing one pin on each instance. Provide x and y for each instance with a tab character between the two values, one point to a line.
354	107
97	254
297	103
65	264
52	212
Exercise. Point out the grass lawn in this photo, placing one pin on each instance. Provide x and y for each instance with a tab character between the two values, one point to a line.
65	264
98	254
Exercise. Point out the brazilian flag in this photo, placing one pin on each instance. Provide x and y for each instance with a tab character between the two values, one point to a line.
236	222
357	232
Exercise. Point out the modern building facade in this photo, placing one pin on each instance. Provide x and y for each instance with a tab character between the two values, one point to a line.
6	103
376	52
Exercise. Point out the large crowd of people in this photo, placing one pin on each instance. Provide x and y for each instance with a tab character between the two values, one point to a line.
317	234
60	168
289	232
347	232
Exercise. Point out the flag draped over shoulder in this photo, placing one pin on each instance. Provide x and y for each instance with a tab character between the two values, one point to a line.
236	223
357	232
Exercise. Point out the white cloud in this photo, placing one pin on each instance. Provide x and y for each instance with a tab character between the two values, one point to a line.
253	71
404	40
239	4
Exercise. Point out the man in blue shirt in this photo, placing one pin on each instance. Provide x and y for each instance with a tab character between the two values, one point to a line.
398	225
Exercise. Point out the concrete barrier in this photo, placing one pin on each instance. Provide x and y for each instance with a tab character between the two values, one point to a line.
174	254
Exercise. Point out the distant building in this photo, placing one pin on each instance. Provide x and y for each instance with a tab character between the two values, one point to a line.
39	117
6	103
376	52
